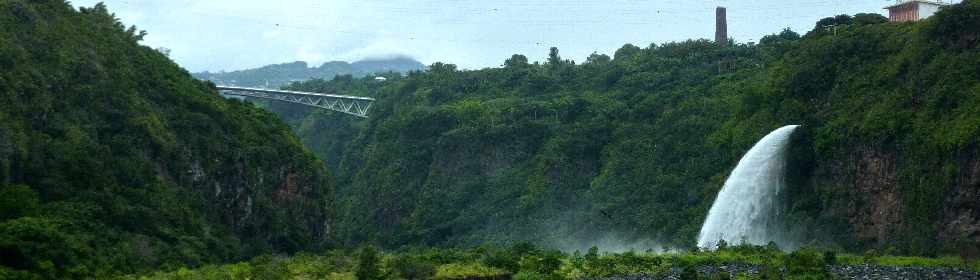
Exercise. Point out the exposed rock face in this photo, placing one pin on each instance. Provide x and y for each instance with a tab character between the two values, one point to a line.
870	198
269	205
875	186
867	191
251	200
290	190
961	217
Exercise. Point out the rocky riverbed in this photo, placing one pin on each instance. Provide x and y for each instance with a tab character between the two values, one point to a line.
901	272
838	272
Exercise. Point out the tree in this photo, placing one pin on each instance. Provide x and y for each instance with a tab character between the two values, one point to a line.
596	58
553	58
869	18
443	68
516	61
783	36
626	51
957	26
831	22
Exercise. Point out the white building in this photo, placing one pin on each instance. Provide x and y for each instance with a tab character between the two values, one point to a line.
913	10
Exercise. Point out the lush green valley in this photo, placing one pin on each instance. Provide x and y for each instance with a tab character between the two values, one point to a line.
113	160
629	151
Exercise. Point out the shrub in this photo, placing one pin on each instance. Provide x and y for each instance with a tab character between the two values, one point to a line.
593	254
457	271
412	268
502	260
17	201
722	275
769	271
269	267
870	255
530	275
523	249
545	263
367	265
690	273
829	257
722	245
806	264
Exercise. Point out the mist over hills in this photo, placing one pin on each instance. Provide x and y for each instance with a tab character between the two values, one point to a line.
276	75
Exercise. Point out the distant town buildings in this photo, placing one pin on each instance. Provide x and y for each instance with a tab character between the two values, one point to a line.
913	10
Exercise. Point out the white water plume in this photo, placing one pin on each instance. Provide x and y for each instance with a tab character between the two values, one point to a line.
748	207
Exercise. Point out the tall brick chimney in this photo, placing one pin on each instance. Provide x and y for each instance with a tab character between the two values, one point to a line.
721	27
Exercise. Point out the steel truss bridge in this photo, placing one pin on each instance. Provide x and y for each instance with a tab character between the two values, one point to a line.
351	105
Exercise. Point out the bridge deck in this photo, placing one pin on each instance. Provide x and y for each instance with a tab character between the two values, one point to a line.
293	92
347	104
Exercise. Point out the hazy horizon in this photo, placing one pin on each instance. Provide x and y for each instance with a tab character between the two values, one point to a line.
233	35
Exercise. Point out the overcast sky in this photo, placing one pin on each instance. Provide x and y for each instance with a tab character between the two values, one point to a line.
235	34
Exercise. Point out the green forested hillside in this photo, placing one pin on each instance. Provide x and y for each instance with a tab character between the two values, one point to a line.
114	160
632	148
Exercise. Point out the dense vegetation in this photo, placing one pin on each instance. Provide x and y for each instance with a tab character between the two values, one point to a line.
526	262
276	75
631	149
114	160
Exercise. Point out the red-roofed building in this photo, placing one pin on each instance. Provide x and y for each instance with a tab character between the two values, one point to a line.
913	10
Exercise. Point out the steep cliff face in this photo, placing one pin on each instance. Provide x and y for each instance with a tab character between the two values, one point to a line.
961	216
120	162
279	204
865	184
865	188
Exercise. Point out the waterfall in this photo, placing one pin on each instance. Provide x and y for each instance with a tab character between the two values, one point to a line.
748	206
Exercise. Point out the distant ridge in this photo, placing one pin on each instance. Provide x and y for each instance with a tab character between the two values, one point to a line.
277	75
